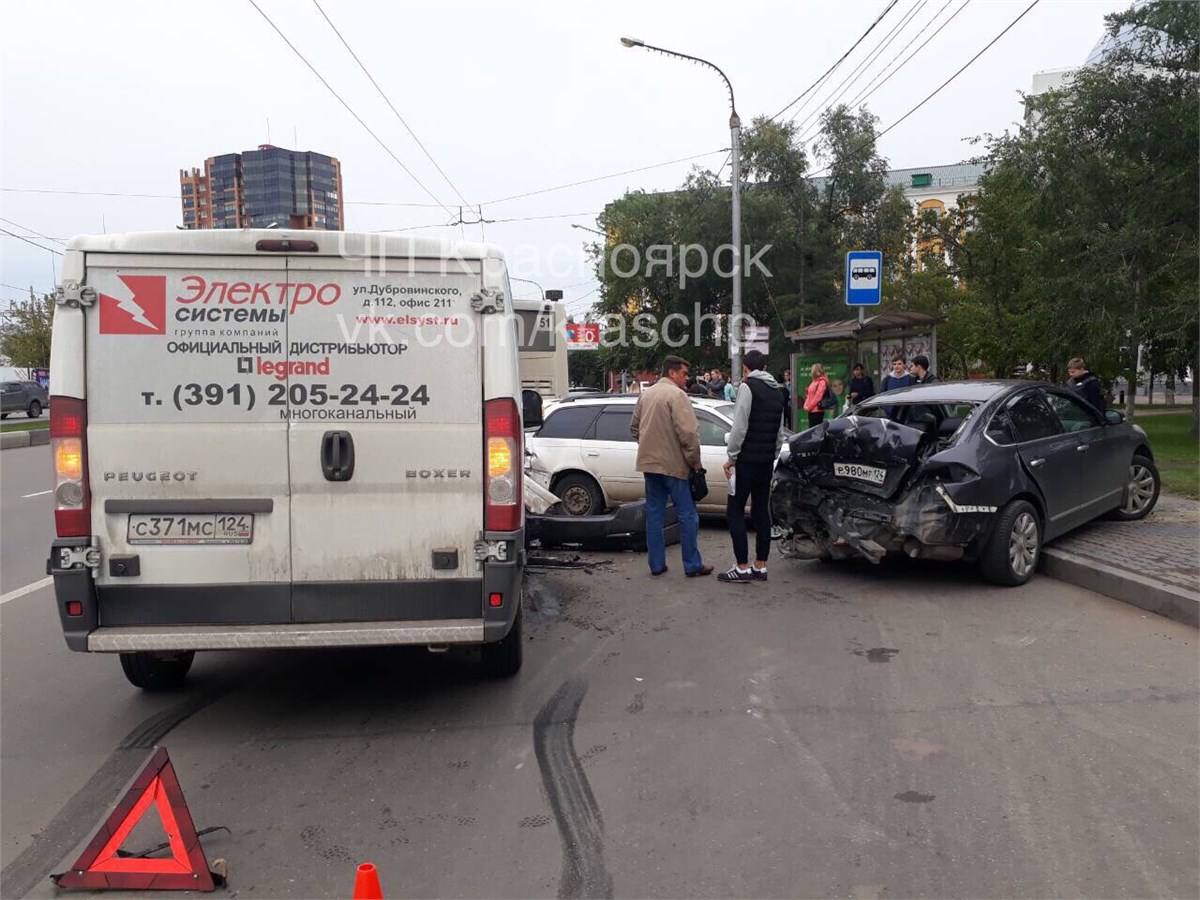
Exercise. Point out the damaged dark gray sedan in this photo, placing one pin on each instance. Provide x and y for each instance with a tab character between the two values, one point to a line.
984	471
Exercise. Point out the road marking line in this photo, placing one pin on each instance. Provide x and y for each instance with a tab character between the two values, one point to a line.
28	589
38	494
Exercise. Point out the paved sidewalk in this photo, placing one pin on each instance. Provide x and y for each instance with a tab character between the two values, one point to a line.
1153	564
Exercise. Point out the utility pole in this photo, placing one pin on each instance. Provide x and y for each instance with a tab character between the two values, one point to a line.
735	136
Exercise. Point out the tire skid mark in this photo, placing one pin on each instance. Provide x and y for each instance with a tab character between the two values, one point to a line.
86	808
580	824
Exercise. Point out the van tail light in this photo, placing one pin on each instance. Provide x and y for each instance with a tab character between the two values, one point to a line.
502	440
68	443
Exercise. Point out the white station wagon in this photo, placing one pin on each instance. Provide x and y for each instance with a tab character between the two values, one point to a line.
586	456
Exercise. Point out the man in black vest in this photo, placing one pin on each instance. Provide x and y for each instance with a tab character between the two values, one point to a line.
754	443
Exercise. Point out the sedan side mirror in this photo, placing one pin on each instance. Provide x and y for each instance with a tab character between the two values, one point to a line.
725	438
531	408
1112	417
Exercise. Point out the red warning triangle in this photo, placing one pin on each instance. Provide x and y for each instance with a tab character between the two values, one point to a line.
101	867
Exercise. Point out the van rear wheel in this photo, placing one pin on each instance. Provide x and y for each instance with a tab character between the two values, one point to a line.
503	658
156	673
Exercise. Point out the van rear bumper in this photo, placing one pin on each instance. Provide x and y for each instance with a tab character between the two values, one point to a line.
111	617
260	637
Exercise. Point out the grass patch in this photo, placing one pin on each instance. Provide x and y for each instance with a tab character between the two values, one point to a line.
25	424
1176	452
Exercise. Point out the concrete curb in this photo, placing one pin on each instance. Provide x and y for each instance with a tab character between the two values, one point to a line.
10	440
1120	584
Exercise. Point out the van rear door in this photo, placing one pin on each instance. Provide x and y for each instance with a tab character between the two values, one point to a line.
384	399
187	457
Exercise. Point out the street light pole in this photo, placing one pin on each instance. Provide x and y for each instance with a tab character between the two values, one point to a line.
735	134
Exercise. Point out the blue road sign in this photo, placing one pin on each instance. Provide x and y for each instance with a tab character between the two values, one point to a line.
864	278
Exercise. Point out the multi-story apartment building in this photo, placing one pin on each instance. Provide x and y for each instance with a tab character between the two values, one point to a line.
264	187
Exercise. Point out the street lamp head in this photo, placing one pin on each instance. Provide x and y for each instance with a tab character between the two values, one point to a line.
632	42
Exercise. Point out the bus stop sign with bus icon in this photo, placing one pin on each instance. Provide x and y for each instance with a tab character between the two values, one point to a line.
864	282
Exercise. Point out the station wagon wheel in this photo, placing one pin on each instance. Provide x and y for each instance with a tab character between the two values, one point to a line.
1012	552
580	495
35	409
1141	490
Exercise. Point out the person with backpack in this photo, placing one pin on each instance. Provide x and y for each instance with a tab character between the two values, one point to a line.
819	398
1086	384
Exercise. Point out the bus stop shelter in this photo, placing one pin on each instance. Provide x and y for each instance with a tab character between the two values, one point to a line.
876	339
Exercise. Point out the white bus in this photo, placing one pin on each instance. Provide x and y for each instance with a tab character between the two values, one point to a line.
543	356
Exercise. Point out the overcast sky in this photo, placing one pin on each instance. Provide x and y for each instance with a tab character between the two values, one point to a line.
508	97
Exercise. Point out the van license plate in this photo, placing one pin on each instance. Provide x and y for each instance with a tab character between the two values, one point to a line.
872	474
218	528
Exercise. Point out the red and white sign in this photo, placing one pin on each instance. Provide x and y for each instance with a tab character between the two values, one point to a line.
583	335
143	310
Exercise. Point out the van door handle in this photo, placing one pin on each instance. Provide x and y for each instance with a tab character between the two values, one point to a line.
1034	463
337	455
1083	448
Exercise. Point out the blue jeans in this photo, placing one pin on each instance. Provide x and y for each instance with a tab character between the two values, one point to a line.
658	489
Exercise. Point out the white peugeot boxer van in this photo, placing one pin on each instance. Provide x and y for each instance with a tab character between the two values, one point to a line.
276	439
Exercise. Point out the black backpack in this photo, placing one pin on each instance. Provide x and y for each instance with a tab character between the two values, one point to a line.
828	399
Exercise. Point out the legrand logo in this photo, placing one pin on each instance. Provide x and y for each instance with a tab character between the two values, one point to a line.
437	474
150	476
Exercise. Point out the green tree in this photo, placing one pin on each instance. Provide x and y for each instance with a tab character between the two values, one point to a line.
25	332
1084	237
808	224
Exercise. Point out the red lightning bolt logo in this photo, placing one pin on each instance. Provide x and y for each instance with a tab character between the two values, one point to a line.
142	311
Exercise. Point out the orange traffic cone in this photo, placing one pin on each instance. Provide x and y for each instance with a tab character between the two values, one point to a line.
366	883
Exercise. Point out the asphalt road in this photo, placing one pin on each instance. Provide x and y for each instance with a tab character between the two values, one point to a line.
843	731
26	515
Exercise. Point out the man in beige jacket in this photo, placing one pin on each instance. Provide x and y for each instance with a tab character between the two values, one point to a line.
668	437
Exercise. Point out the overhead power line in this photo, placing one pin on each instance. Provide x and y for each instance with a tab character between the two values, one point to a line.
375	84
869	90
860	70
31	231
841	59
90	193
349	108
13	287
945	83
32	243
964	68
126	194
563	187
816	84
461	221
